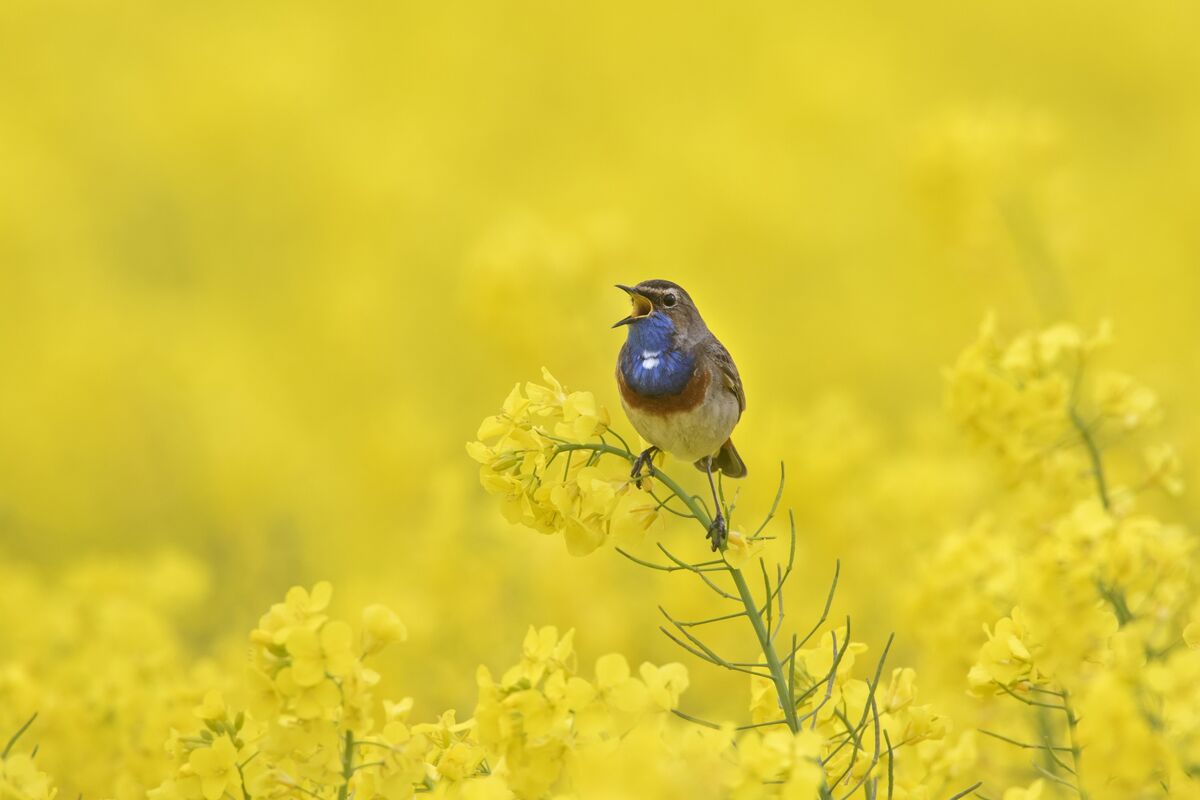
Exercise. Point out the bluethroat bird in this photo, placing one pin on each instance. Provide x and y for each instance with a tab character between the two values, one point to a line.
680	387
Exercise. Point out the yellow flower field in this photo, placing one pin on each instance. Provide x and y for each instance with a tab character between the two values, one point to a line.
314	478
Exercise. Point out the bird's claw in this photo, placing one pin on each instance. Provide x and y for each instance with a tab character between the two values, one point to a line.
718	531
645	462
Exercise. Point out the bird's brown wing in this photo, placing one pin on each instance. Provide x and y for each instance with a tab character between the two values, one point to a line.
728	372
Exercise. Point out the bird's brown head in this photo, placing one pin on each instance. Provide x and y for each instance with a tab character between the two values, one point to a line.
662	299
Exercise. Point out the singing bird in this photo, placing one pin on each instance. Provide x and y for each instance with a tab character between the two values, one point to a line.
680	387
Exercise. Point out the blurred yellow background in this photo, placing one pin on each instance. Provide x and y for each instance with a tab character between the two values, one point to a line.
263	268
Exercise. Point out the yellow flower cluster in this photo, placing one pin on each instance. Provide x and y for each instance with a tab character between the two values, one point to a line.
1033	401
541	713
304	721
20	779
310	715
540	455
1097	595
778	764
312	727
97	655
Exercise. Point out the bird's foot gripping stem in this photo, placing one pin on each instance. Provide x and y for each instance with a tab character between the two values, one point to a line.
643	463
718	531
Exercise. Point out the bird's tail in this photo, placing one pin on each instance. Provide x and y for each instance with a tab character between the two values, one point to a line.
726	460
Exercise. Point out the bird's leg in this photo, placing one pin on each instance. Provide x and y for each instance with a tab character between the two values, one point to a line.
718	530
643	462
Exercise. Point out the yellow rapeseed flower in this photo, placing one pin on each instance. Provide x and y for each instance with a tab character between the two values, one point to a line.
380	627
20	779
317	654
216	767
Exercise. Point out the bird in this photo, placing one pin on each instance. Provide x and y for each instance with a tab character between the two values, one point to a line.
680	388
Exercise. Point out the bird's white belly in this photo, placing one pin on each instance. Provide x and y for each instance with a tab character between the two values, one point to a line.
689	435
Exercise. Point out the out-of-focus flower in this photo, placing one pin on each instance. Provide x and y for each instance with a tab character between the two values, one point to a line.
380	627
541	715
1007	658
1031	792
316	655
21	780
213	706
1125	401
1191	634
1017	398
665	683
216	767
779	757
1165	467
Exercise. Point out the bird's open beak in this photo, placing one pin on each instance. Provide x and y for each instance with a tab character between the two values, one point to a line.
641	305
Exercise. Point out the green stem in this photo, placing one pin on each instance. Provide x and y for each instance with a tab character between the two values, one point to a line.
751	606
1093	449
242	779
347	766
768	649
1076	752
747	598
771	657
8	748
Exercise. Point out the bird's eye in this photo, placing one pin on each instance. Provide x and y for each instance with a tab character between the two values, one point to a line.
668	300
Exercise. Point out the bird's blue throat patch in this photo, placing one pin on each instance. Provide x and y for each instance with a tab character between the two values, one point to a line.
650	363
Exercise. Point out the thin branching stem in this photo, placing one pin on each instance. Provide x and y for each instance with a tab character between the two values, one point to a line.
1093	450
791	563
242	782
762	566
828	687
964	792
774	504
1048	775
1072	737
871	687
791	672
1058	761
700	573
1027	701
347	765
767	724
702	652
780	577
696	641
710	620
892	765
697	720
1022	745
13	740
706	566
837	571
664	505
874	756
648	564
